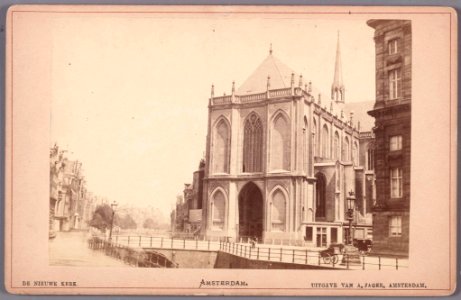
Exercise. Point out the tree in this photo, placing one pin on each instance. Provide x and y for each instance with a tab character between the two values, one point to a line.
102	217
125	222
149	223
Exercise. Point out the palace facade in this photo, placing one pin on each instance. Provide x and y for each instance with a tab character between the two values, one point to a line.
281	160
392	111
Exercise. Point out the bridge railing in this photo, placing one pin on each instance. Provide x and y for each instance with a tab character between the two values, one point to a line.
311	257
284	254
166	243
133	256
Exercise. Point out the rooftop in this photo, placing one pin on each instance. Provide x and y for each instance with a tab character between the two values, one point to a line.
279	73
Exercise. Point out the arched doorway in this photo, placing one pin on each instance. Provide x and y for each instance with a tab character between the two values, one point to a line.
250	212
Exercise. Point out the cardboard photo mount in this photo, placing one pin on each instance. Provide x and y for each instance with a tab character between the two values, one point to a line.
29	93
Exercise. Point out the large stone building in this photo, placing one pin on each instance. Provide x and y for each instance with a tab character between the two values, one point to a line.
392	111
281	160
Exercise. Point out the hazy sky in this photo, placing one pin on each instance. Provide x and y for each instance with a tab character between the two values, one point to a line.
130	94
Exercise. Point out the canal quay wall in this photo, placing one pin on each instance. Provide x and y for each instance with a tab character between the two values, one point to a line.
203	259
230	261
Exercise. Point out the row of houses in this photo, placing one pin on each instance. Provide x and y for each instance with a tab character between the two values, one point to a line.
186	217
71	204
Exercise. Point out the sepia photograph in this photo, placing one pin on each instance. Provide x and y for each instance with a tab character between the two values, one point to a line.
284	181
209	139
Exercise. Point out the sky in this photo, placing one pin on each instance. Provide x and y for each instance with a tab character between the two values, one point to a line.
130	93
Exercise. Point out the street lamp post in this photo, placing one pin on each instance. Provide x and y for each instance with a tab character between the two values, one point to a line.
113	206
351	254
350	214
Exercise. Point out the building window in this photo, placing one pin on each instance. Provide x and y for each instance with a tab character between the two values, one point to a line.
252	144
314	137
370	159
321	236
396	183
305	146
346	149
334	235
355	154
280	144
395	142
393	46
394	84
325	142
221	148
320	197
336	147
395	226
309	234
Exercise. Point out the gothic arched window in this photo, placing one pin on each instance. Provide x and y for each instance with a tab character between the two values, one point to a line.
371	157
280	144
325	142
218	210
336	147
314	137
252	144
320	196
346	149
305	146
278	211
355	154
220	156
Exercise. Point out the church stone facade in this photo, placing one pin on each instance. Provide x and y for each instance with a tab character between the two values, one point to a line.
280	161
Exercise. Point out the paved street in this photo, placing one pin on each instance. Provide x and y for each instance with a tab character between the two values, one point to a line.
71	249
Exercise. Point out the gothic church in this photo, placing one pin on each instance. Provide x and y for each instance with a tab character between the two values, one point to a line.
280	160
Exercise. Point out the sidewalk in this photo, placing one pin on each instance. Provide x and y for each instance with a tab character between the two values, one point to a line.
71	249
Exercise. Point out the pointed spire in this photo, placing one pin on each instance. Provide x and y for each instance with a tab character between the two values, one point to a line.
337	88
300	80
292	79
233	87
351	117
268	82
310	87
212	90
270	49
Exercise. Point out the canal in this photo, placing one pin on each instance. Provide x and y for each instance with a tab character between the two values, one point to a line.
71	249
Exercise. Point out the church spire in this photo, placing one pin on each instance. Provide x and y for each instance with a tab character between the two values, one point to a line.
337	88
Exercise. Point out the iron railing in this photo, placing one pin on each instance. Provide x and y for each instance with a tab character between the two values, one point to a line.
263	252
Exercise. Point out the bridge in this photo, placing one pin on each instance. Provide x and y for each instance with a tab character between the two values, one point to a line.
149	248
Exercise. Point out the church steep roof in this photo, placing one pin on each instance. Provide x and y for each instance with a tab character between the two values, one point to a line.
280	77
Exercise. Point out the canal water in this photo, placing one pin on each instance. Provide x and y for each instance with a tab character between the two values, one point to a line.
71	249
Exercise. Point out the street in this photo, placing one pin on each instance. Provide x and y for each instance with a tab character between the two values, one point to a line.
71	249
